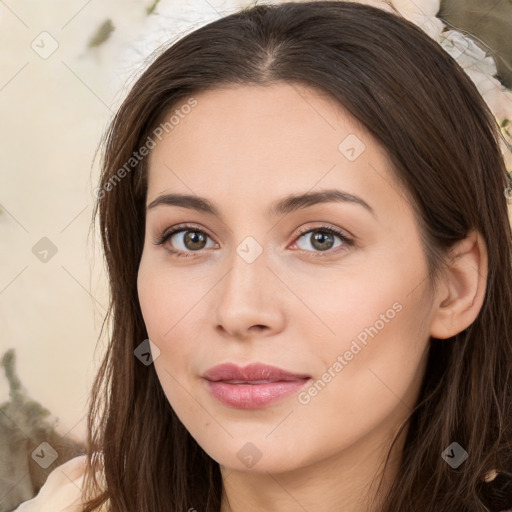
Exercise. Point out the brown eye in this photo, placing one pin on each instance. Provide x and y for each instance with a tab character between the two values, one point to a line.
194	240
323	239
183	240
187	239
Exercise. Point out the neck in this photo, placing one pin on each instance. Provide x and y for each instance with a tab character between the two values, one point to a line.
345	481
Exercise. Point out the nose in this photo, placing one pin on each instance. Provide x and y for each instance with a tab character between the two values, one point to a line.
250	301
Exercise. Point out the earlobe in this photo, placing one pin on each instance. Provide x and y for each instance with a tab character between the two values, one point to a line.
461	289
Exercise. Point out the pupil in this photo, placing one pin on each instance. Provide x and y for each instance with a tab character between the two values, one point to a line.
321	237
194	237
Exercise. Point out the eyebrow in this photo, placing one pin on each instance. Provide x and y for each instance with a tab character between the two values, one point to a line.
288	204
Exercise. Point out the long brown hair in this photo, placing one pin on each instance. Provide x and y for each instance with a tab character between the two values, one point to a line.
443	143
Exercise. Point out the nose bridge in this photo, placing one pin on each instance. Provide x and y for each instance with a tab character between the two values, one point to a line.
248	271
248	297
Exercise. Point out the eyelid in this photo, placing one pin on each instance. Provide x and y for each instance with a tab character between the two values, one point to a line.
162	238
177	228
326	226
348	240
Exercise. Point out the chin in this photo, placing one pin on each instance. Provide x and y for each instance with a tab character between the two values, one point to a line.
254	456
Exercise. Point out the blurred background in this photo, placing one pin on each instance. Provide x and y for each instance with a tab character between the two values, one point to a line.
65	67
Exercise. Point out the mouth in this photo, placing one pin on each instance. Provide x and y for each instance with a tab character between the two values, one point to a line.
253	386
248	382
252	373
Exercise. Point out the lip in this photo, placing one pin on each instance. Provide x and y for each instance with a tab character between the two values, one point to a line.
253	386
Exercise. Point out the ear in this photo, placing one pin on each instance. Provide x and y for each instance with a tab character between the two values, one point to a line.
461	290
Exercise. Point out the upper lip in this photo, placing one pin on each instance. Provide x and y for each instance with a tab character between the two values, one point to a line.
251	373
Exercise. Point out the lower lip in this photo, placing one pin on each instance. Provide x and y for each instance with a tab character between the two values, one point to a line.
253	396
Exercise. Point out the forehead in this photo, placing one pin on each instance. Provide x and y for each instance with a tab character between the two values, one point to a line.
263	142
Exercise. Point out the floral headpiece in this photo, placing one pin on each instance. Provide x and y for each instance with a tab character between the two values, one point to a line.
478	65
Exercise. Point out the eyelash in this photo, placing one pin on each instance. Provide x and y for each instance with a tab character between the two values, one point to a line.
161	239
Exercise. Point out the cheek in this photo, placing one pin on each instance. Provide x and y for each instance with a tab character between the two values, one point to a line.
166	296
164	312
170	300
384	358
373	358
370	374
342	307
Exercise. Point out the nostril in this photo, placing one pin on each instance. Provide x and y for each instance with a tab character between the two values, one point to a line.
258	327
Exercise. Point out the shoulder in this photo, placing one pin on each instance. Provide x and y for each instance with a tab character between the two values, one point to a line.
62	491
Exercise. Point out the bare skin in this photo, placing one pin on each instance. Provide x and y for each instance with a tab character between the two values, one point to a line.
301	303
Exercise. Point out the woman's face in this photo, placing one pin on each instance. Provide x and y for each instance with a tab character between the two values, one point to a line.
260	280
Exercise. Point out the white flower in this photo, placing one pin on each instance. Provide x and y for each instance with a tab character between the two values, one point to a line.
481	68
467	53
421	13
